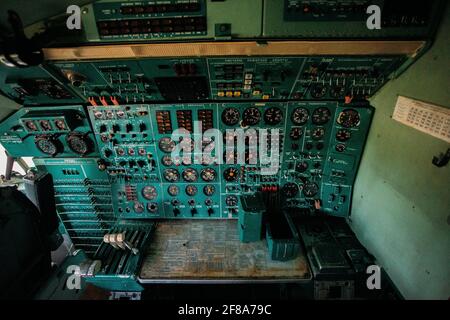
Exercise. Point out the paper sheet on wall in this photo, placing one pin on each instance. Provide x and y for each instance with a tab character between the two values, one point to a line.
425	117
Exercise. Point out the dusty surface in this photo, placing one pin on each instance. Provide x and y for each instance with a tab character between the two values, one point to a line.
193	249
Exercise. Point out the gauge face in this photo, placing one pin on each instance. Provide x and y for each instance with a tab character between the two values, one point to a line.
290	189
47	145
45	125
171	175
166	144
231	200
98	114
152	207
149	192
208	174
120	114
318	133
318	91
31	126
230	116
209	190
296	133
321	115
301	166
189	175
343	135
191	190
251	116
337	91
349	118
138	207
340	147
79	144
230	174
173	190
300	116
273	116
310	189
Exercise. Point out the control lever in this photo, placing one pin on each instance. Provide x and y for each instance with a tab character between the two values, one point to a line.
117	241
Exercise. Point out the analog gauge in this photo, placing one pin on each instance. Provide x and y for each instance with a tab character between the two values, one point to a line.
318	91
166	144
110	114
290	189
231	174
209	190
231	201
310	189
230	116
208	174
340	147
251	116
300	116
31	126
189	175
120	114
171	175
45	125
60	124
343	135
138	207
149	192
273	116
301	166
48	145
191	190
321	115
152	207
79	143
337	92
173	190
296	133
98	114
348	118
318	133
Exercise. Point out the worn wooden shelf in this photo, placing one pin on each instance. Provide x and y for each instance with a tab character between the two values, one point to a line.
209	251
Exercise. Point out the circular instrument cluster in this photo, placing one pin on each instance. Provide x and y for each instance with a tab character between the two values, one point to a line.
78	143
348	118
321	116
299	116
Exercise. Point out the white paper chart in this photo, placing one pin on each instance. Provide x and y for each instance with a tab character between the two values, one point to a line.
425	117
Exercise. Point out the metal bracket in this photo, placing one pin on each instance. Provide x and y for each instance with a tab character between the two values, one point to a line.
442	160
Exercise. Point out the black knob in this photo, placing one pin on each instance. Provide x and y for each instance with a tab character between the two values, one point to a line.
129	127
210	211
142	127
193	211
103	128
176	212
115	128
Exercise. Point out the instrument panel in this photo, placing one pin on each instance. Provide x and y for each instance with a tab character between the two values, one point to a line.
232	78
308	151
